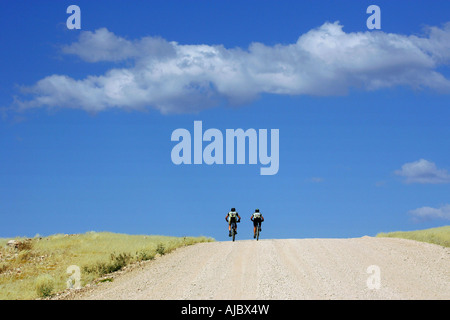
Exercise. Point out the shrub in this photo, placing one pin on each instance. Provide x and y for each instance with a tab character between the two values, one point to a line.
4	267
115	263
119	261
44	285
26	244
144	255
23	256
160	249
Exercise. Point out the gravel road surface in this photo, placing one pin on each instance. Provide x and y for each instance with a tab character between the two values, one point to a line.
357	268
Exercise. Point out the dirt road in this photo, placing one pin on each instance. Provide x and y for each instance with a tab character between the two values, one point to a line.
289	269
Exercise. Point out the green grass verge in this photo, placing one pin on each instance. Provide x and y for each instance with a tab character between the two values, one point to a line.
38	267
440	235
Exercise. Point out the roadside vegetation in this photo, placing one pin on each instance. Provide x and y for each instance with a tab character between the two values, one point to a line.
440	235
38	267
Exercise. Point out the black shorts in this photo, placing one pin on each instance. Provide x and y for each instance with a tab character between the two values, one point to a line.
256	221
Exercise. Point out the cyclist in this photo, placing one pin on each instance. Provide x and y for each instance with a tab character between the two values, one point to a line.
232	216
257	219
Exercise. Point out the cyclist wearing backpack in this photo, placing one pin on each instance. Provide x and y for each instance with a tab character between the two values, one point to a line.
232	216
257	219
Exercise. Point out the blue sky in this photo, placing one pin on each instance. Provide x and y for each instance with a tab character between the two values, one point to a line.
86	116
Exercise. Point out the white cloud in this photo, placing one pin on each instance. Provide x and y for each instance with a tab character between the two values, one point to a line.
423	171
185	78
103	45
427	213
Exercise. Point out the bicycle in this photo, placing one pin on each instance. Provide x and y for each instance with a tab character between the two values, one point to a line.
233	229
258	229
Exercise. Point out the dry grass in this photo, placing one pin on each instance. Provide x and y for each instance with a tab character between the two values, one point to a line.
440	236
38	267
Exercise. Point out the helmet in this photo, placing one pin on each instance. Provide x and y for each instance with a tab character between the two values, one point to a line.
256	210
233	209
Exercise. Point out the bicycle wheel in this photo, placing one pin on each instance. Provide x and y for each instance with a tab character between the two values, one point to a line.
257	233
233	230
